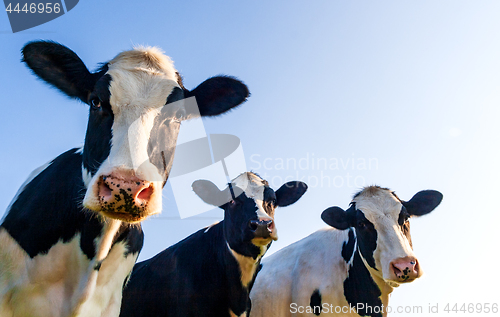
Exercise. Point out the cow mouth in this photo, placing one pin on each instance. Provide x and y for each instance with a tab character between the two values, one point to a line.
396	282
259	241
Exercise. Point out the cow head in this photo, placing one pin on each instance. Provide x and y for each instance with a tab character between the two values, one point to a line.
249	204
381	223
136	105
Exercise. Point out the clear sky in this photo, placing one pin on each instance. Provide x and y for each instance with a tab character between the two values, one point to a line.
409	88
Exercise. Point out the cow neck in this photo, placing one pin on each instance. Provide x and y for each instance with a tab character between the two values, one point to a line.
88	281
240	275
385	288
247	265
240	272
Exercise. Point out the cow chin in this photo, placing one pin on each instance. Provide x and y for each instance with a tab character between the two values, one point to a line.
260	242
126	217
395	281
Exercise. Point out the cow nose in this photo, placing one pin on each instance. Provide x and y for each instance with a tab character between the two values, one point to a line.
405	269
124	194
262	228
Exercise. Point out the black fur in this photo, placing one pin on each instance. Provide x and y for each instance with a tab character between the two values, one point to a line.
218	94
176	95
195	277
423	202
315	302
348	247
359	288
405	224
289	193
98	136
338	218
60	67
367	238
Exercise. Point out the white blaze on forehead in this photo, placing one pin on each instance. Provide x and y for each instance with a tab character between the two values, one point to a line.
253	187
382	209
377	203
141	81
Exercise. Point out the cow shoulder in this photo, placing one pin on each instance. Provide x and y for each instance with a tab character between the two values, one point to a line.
26	220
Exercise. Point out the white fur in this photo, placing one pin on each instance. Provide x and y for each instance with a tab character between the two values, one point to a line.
293	273
86	176
253	186
62	282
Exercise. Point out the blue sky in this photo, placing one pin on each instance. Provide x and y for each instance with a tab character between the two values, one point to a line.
412	87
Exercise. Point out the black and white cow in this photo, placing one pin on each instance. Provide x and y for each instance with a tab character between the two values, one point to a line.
211	272
347	270
71	235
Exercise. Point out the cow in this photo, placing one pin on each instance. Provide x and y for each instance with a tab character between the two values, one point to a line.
349	269
211	272
72	234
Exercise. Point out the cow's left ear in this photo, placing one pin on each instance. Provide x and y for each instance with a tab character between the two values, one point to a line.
218	94
210	193
289	193
423	202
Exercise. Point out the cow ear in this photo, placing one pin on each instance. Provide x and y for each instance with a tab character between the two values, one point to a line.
336	217
210	193
289	193
423	202
60	67
218	94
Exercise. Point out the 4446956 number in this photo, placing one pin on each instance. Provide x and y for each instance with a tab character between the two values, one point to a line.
35	8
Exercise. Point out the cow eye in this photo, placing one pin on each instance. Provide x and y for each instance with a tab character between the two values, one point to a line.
95	103
361	225
404	217
180	115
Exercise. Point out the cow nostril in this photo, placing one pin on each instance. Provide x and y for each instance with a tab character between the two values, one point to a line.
396	270
270	224
104	189
145	193
253	225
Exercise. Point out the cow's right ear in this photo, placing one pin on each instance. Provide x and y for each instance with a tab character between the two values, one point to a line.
60	67
210	193
337	218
